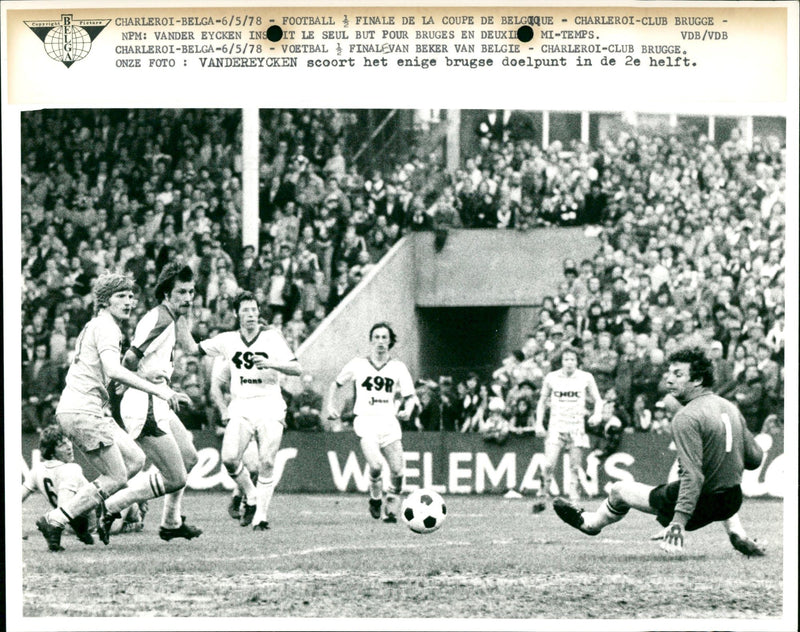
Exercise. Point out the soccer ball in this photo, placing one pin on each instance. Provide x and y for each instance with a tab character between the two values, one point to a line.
424	511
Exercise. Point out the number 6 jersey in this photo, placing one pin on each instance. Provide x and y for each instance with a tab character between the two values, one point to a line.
246	380
376	387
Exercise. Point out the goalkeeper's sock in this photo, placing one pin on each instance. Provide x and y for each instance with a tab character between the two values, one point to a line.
605	515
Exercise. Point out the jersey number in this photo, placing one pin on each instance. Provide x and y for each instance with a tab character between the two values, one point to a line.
50	492
246	359
378	383
726	421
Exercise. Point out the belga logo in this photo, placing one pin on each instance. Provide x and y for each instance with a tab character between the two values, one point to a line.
68	40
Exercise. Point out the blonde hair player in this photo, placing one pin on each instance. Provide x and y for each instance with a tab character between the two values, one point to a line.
81	409
379	381
155	427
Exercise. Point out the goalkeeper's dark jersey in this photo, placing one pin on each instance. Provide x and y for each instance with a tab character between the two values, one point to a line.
713	446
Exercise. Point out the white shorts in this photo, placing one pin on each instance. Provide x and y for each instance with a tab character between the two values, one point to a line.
383	429
567	440
255	414
142	420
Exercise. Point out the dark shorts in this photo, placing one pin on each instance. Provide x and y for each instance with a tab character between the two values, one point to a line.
150	428
710	508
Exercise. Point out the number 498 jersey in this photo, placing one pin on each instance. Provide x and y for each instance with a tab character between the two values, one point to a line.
246	380
376	387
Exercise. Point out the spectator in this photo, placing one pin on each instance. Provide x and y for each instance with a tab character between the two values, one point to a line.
494	427
748	394
608	432
306	407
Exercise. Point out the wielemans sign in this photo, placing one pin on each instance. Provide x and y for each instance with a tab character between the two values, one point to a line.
453	463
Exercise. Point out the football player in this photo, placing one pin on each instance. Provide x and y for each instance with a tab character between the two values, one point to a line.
384	393
565	390
81	411
255	357
714	448
152	424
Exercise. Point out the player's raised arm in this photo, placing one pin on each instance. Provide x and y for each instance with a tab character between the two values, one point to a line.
183	336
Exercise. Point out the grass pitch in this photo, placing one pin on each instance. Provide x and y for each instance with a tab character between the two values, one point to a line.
325	557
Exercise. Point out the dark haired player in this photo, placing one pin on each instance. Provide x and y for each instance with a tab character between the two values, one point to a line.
154	426
81	409
714	447
565	390
58	478
379	382
255	357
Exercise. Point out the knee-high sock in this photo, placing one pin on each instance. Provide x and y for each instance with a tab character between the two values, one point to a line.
171	516
143	486
264	490
605	515
393	494
245	484
375	485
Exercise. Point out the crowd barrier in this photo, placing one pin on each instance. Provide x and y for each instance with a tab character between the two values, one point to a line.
453	463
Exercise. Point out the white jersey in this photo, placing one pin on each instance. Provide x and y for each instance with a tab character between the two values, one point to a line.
246	380
568	400
52	477
154	340
377	387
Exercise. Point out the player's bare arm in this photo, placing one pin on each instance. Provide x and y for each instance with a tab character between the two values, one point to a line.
540	407
114	370
333	406
598	400
406	408
220	381
287	368
183	335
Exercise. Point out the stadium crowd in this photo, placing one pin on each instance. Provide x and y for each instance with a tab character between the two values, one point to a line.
692	240
692	251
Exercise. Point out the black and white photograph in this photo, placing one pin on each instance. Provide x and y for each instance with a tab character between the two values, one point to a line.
355	367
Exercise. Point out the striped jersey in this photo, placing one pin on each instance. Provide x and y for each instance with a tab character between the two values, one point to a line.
154	340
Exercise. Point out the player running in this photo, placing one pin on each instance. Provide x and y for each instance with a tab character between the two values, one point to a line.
714	447
58	478
154	426
219	391
81	409
379	381
255	356
565	390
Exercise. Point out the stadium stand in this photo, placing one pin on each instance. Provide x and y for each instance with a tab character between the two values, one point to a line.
691	241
